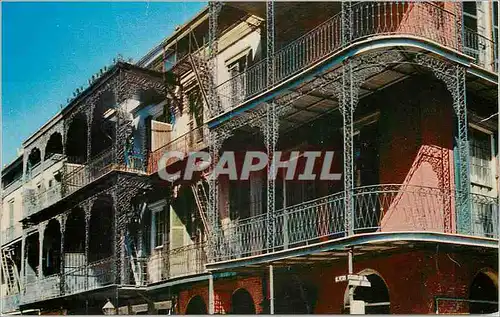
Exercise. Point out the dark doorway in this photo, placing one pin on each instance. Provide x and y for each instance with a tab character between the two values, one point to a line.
376	297
196	306
242	303
484	289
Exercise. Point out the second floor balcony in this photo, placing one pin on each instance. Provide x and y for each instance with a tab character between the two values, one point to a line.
378	208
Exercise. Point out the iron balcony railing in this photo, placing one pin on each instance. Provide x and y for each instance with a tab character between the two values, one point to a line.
178	262
192	141
75	177
73	280
483	50
425	20
41	289
382	208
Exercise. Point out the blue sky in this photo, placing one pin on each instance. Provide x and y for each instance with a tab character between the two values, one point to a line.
50	49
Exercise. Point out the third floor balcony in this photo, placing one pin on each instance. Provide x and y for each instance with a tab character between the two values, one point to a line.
431	23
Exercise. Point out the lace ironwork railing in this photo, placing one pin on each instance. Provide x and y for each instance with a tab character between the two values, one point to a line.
483	50
378	208
426	20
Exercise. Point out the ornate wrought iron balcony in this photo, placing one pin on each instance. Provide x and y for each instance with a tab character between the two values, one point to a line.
382	208
424	20
76	176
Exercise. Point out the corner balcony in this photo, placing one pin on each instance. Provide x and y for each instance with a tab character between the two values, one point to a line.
379	208
425	21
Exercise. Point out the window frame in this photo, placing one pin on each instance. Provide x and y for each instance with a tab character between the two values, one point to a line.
11	212
491	182
157	213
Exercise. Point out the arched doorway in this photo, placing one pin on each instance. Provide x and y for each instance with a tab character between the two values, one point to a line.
484	288
242	303
196	306
54	145
51	248
376	297
76	140
100	229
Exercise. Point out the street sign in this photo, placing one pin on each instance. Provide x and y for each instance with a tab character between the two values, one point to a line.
353	280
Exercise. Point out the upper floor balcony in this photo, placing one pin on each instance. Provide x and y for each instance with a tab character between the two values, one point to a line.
75	176
435	24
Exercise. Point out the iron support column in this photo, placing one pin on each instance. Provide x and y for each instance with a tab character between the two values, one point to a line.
347	109
271	129
87	210
211	295
350	272
215	238
41	231
464	221
271	290
214	8
271	139
62	221
347	26
23	259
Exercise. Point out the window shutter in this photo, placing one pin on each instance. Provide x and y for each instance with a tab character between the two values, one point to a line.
160	134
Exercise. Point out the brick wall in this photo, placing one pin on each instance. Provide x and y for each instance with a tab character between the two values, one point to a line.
413	277
224	288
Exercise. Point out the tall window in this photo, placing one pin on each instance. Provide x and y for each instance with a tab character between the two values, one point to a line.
157	224
480	144
470	15
11	213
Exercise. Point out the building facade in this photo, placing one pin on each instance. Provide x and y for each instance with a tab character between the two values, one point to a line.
404	95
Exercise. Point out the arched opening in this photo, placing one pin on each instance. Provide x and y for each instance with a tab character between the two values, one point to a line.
34	159
376	297
54	146
51	258
74	239
196	306
242	303
103	126
101	229
484	293
32	252
76	140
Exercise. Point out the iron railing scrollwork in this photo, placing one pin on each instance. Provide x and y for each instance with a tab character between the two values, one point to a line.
425	20
384	208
